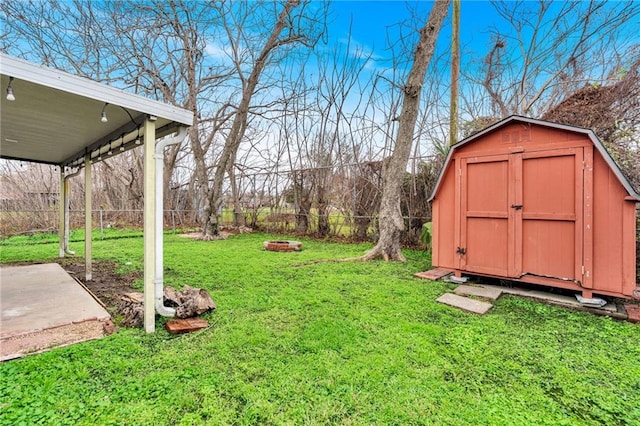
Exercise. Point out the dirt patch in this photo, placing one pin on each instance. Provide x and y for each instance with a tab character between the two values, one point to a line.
42	340
107	285
192	235
225	232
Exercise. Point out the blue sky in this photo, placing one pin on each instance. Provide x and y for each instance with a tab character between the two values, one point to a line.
371	19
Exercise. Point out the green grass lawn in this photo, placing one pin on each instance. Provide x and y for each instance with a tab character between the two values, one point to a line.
326	343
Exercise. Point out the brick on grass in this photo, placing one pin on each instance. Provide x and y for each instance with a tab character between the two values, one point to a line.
185	325
433	274
633	312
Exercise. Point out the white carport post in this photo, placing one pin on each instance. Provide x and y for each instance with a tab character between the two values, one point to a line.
61	219
149	223
88	224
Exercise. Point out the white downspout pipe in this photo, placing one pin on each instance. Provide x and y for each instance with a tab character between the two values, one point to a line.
67	204
165	311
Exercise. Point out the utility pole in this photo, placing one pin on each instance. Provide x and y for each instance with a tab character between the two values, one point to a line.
455	72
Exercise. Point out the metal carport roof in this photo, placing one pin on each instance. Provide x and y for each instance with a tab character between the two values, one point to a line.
56	118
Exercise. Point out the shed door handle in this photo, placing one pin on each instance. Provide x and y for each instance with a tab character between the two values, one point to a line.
516	206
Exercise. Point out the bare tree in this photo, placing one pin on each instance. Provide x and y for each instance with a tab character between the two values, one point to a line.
542	51
367	187
276	39
612	111
571	62
76	43
29	196
153	49
391	222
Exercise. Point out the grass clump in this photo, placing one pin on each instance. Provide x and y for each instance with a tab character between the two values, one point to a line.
295	342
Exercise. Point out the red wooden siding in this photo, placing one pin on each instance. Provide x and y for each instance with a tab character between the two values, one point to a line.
444	224
552	214
485	234
614	245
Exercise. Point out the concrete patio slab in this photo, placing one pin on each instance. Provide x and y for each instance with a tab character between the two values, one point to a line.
491	293
43	307
465	303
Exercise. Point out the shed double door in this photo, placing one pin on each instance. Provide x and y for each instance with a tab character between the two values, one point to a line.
521	213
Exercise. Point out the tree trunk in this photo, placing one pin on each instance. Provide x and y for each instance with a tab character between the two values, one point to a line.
238	215
302	196
323	203
391	223
362	227
302	222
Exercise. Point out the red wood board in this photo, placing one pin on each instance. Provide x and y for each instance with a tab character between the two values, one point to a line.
186	325
434	274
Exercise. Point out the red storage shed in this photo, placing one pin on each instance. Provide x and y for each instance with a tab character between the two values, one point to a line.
537	202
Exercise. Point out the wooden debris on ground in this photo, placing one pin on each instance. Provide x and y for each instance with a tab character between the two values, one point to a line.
188	303
131	308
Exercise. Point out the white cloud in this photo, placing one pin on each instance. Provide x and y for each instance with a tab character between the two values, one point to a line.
358	50
217	52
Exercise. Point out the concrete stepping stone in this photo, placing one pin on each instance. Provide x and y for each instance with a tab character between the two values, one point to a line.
553	298
464	303
613	310
478	291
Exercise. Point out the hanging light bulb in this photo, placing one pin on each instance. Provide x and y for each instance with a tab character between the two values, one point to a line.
10	95
103	115
122	143
110	151
138	137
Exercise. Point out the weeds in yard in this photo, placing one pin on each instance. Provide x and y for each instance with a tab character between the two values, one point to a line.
327	343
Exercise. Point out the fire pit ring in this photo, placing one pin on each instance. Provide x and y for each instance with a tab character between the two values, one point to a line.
282	245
